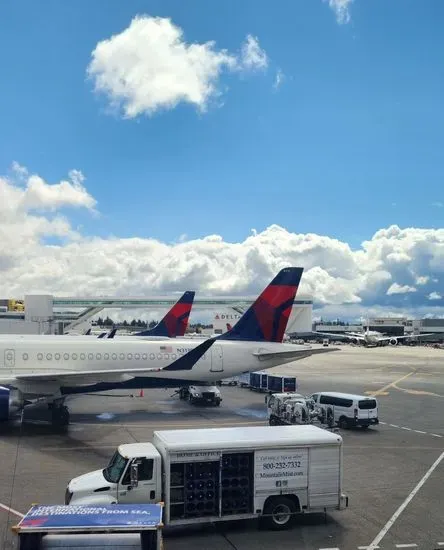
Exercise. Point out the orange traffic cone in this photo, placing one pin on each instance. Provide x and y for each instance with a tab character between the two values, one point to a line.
141	393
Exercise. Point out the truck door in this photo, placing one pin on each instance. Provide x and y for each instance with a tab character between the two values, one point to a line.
217	359
146	490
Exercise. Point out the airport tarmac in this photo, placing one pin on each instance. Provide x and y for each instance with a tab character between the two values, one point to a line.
393	473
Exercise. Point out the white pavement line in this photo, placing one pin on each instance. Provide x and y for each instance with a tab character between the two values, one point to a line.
394	425
404	428
404	505
406	545
329	548
366	547
420	432
9	509
440	543
436	435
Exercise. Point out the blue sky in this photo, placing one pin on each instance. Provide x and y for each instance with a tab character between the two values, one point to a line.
351	141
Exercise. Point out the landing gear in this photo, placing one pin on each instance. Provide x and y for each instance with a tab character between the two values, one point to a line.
59	415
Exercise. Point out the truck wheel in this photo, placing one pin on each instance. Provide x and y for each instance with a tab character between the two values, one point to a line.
279	513
217	402
273	421
343	423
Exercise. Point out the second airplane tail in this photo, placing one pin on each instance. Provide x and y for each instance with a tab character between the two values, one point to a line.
175	322
266	320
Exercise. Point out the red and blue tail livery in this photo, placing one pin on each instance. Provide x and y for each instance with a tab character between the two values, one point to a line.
266	320
175	322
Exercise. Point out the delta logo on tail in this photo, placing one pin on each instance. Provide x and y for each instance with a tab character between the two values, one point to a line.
266	320
175	322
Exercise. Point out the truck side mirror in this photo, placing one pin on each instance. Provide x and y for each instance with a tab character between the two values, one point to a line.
134	475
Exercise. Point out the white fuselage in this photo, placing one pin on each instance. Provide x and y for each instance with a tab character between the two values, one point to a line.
66	356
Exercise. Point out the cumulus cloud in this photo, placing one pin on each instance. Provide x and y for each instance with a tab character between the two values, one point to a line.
396	270
341	9
150	67
400	289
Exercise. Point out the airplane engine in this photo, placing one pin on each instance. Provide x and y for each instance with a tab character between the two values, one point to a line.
11	402
393	341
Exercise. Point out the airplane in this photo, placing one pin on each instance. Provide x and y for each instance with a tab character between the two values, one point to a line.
50	368
370	338
174	323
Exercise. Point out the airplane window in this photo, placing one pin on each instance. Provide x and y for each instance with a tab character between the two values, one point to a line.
122	356
137	356
152	356
74	356
57	356
49	356
173	356
167	355
83	356
90	356
159	356
144	356
114	356
66	356
98	356
40	356
25	356
106	356
130	355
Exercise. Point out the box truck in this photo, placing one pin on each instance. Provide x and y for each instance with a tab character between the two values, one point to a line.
223	474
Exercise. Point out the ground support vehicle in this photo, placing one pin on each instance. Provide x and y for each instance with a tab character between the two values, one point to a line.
292	408
87	526
202	395
223	474
349	410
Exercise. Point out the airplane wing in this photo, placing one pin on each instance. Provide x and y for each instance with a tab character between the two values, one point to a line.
186	362
346	336
385	338
296	354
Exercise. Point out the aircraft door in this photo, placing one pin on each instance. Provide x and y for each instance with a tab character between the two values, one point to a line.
9	358
217	359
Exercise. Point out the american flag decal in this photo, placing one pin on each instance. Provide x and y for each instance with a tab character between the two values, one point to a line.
166	349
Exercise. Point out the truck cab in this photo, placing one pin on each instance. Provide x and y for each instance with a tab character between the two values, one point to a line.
204	395
133	475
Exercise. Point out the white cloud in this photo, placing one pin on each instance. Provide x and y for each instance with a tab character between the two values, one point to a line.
253	57
279	79
400	289
341	9
396	270
149	67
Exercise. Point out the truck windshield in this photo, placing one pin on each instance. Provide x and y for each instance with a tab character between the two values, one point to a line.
113	472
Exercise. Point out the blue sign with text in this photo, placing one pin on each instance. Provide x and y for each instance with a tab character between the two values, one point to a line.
57	517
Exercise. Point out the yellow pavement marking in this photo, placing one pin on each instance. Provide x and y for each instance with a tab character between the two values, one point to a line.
383	391
417	392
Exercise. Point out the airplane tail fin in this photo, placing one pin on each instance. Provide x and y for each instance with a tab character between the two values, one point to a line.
112	333
175	321
87	332
266	320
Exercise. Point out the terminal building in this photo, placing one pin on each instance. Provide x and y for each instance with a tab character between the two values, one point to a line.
47	314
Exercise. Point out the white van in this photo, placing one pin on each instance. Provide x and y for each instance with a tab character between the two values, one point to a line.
349	409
